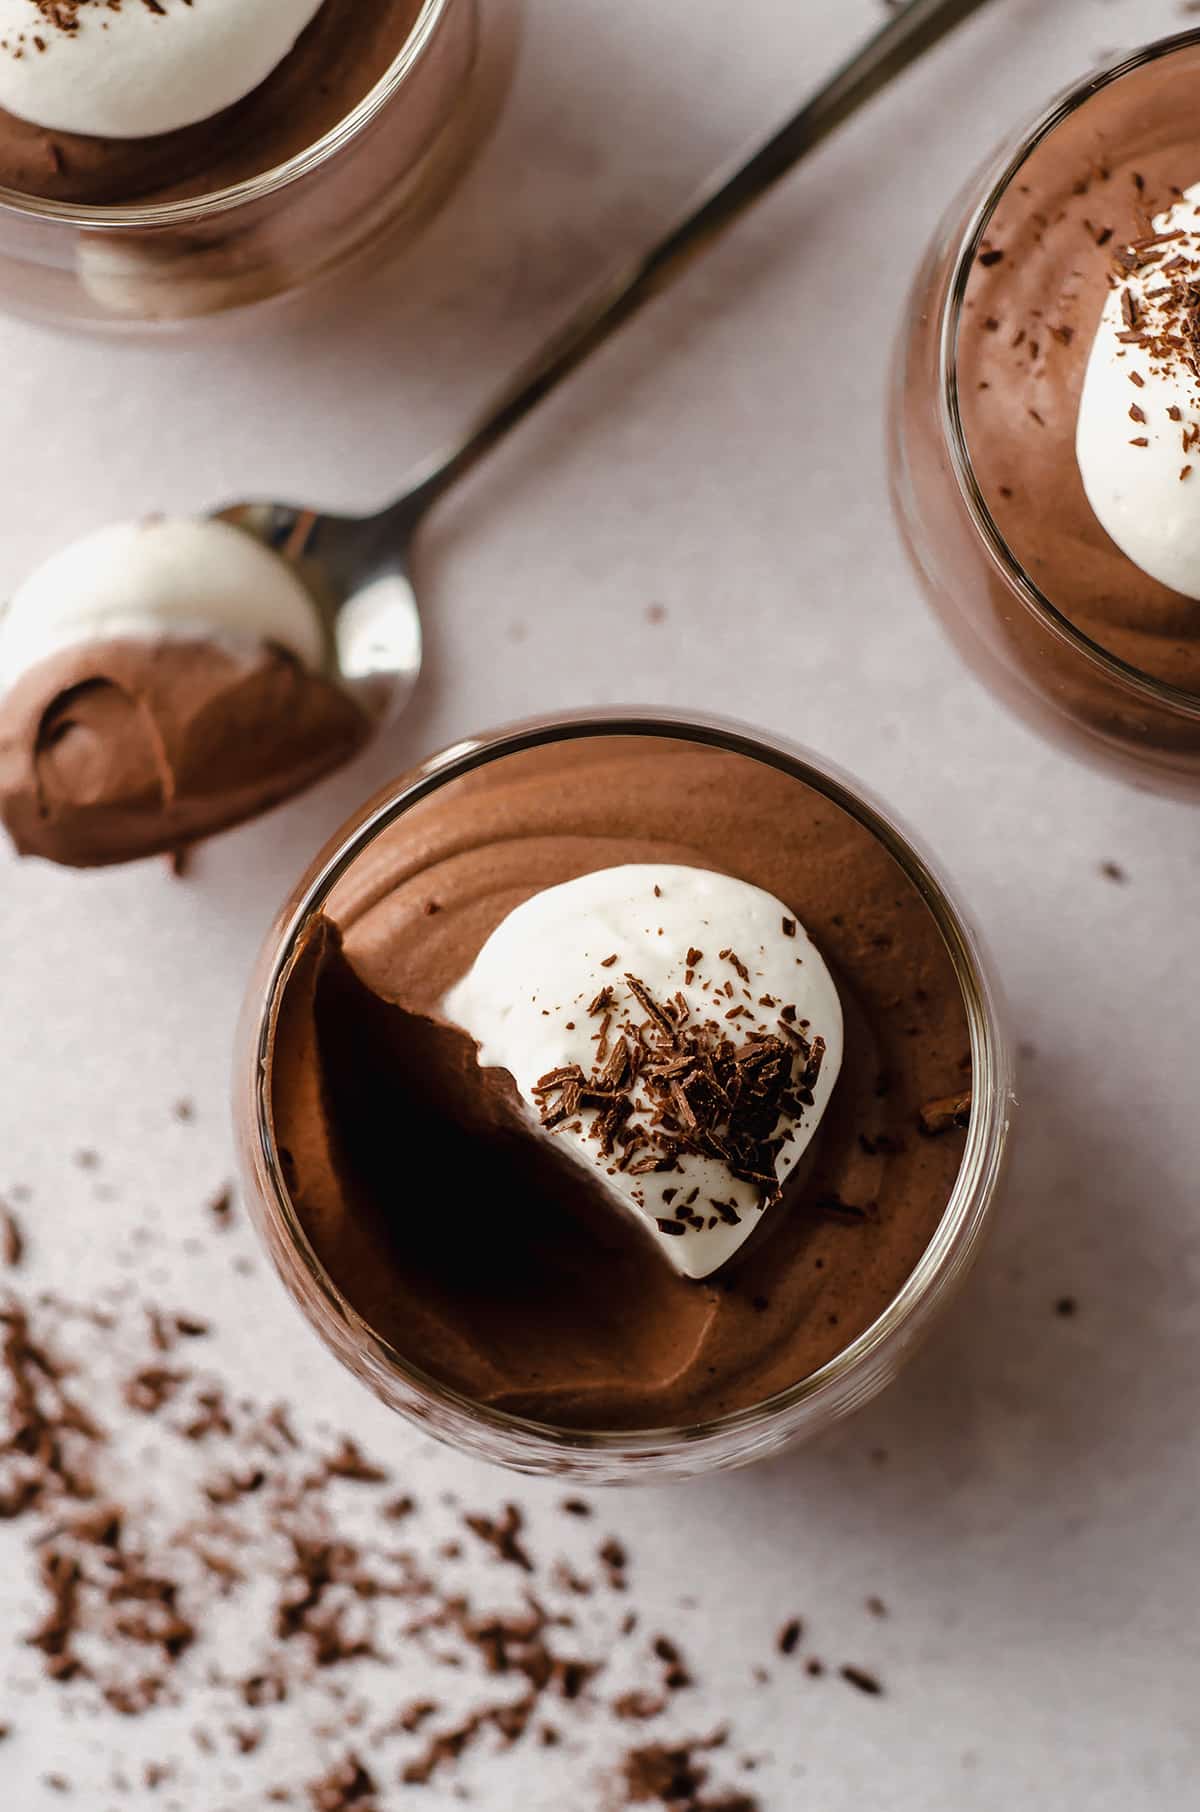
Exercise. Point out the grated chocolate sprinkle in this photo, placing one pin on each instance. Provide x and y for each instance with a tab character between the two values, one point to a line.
672	1087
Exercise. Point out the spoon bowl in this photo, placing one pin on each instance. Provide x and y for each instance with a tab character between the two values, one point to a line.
356	570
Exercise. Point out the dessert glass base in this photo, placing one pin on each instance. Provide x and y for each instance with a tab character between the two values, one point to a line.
353	199
858	1363
1051	614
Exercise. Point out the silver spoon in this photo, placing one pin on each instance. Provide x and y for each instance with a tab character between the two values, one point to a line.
358	566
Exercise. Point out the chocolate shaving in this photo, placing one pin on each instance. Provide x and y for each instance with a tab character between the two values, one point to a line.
502	1534
12	1239
860	1678
641	993
221	1207
553	1078
812	1068
789	1636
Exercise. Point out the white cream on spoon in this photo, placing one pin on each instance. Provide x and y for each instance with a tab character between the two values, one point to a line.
187	578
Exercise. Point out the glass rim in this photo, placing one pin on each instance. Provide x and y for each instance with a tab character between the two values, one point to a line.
127	216
1001	173
960	1226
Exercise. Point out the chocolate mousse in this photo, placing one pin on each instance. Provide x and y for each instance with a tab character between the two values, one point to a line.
1086	293
116	750
105	102
556	1245
161	681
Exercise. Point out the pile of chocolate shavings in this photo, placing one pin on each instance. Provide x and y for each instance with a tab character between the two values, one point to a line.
1163	323
665	1085
12	1238
61	16
64	14
252	1586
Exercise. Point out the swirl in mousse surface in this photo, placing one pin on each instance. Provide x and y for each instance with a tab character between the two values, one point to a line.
161	680
105	102
598	1087
1079	375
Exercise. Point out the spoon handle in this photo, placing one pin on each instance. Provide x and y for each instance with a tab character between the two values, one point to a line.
912	30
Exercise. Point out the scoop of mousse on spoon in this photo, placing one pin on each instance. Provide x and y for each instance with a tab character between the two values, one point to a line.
167	679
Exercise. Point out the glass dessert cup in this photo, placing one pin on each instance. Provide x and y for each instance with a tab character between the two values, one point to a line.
850	1379
360	193
1025	647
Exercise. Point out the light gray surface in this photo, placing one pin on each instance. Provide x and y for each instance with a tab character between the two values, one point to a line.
1034	1528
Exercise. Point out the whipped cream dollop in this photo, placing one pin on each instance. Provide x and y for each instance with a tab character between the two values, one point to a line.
673	1029
1138	433
190	578
128	69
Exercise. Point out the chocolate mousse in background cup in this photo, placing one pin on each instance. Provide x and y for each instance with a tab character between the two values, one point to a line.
161	164
622	1096
1046	420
